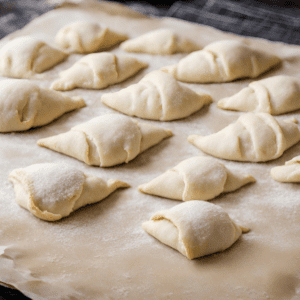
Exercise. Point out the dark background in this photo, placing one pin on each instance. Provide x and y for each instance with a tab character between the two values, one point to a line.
275	20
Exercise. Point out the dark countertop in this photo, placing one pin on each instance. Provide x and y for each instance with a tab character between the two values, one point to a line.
274	20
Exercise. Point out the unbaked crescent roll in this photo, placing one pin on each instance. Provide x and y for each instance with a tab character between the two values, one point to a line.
161	41
194	228
290	172
25	56
107	140
97	71
53	191
87	37
196	178
158	96
274	95
253	137
222	61
24	105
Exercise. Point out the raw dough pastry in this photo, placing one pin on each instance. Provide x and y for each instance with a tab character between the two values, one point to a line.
290	172
222	61
97	71
24	56
107	140
158	96
161	41
52	191
253	137
194	228
274	95
24	105
196	178
87	37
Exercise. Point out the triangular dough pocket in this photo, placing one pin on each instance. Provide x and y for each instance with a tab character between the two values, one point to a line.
24	105
97	71
290	172
196	178
87	37
53	191
107	140
274	95
253	137
222	61
161	41
194	228
25	56
158	96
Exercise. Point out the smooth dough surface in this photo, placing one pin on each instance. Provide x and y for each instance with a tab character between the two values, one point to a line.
274	95
194	228
161	41
196	178
97	71
25	56
290	172
24	105
253	137
87	37
158	96
222	61
107	140
52	191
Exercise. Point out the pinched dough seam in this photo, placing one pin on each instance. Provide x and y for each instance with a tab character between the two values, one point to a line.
222	66
278	134
262	101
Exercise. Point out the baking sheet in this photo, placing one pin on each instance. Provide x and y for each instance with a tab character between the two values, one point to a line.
101	251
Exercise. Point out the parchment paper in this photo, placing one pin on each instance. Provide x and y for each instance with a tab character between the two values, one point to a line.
101	251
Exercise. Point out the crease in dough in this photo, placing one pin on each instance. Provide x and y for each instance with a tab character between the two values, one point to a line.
194	228
274	95
222	61
24	105
87	37
25	56
159	42
196	178
107	140
158	96
290	172
253	137
53	191
98	71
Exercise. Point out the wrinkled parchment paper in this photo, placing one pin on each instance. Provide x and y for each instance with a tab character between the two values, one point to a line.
101	251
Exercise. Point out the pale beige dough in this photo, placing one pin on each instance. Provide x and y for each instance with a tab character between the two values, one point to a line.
98	71
107	140
253	137
194	228
87	37
274	95
222	61
196	178
25	56
52	191
290	172
161	41
158	96
24	105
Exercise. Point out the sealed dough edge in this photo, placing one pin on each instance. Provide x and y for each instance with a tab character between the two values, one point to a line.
290	172
157	96
196	178
93	144
194	228
275	95
53	191
254	137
